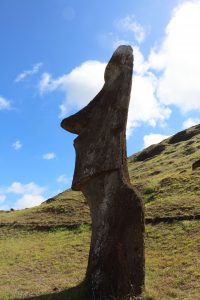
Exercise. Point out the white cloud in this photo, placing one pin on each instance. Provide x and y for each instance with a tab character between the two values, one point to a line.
64	179
17	145
112	40
35	69
47	84
4	103
49	156
2	198
80	85
141	66
144	107
178	58
153	138
190	122
28	200
118	42
152	94
29	188
129	23
31	194
83	83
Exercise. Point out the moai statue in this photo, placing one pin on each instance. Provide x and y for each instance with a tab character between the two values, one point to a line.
116	260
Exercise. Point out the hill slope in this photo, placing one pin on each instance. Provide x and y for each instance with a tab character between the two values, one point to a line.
49	265
165	174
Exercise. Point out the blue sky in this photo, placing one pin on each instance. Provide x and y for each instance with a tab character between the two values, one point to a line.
53	55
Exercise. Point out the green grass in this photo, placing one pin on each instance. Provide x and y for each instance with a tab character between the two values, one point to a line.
51	264
40	263
173	260
33	262
174	186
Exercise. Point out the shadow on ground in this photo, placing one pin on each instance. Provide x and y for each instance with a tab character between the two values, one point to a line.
75	293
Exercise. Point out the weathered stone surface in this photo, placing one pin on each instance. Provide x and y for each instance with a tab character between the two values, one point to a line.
116	260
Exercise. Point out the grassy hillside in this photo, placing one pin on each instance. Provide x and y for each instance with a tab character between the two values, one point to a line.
50	263
34	263
163	174
66	209
167	181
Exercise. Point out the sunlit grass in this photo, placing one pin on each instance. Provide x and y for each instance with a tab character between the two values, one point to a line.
50	263
35	263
